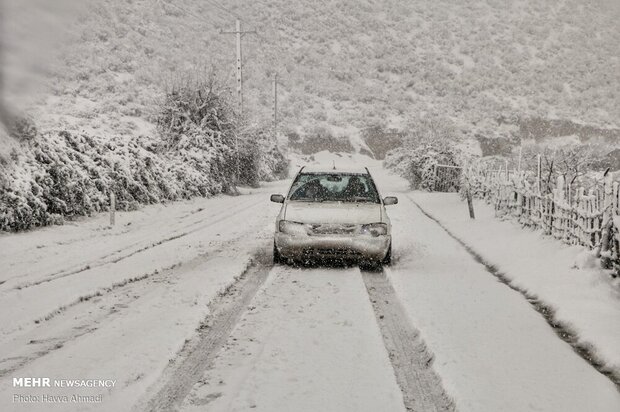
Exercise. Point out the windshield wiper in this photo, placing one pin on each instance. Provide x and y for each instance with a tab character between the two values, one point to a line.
308	199
360	199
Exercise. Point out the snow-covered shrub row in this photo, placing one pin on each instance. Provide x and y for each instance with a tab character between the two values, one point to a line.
198	151
60	175
64	175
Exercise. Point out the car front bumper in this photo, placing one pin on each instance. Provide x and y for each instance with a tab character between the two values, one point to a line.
333	247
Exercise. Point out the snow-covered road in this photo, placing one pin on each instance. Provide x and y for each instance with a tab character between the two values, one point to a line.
308	342
140	304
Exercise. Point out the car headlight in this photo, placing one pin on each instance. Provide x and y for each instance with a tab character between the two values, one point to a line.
292	228
374	229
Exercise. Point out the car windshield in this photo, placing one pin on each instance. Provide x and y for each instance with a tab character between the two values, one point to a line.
337	187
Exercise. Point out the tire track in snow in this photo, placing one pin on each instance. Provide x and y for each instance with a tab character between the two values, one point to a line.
104	261
180	377
562	330
74	323
412	362
160	273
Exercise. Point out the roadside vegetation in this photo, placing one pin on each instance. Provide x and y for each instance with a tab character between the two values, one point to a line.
425	144
57	175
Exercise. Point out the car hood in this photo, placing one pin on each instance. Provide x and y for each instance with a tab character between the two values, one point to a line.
333	212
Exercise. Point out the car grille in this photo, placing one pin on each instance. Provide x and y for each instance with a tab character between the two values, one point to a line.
332	252
332	229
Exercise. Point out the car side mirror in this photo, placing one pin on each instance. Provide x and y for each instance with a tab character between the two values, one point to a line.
277	198
390	200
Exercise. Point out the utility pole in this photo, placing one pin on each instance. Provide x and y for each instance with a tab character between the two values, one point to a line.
3	113
239	34
275	108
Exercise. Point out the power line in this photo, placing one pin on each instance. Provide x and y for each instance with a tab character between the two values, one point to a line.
273	45
184	10
219	6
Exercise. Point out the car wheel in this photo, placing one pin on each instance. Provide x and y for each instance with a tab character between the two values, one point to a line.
371	265
387	260
277	258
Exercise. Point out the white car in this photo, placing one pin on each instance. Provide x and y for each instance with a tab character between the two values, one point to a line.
333	214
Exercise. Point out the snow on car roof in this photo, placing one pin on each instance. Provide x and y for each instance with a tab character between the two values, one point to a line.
331	170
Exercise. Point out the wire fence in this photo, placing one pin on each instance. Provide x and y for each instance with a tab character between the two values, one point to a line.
447	178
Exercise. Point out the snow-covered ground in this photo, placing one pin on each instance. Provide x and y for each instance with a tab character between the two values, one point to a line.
121	301
568	279
493	351
86	301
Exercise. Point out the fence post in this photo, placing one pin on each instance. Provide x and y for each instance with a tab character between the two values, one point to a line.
616	199
607	222
558	210
580	216
112	208
539	174
470	203
590	206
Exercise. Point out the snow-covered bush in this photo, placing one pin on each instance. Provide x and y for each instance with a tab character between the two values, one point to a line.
426	145
572	160
262	159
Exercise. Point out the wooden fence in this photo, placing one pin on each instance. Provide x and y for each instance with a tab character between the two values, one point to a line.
575	215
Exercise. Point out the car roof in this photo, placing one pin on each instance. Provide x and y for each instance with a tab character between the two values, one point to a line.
336	170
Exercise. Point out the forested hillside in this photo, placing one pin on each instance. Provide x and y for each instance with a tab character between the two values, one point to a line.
341	63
